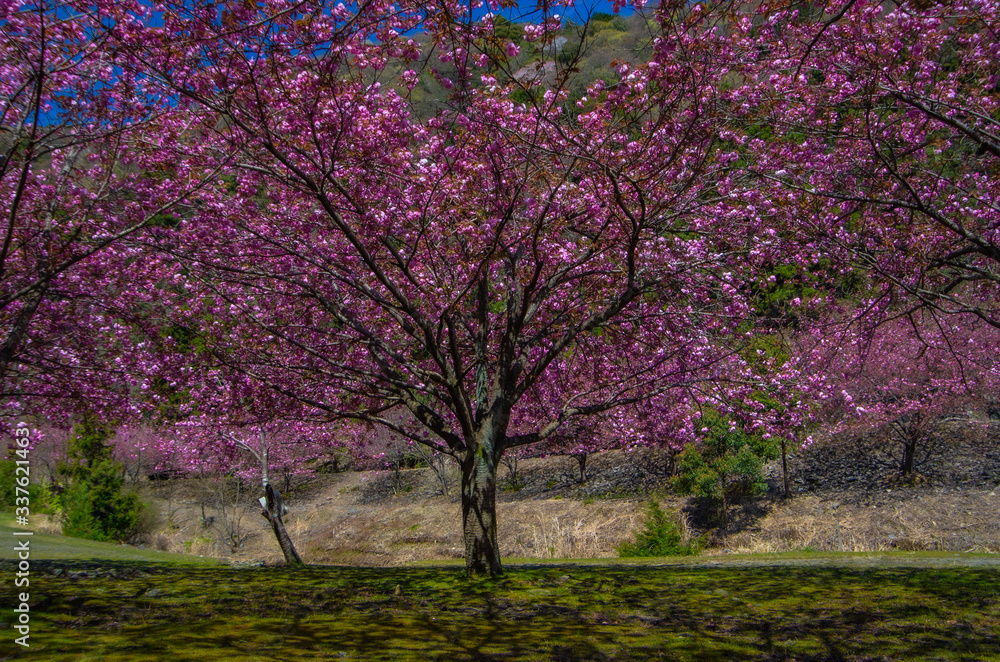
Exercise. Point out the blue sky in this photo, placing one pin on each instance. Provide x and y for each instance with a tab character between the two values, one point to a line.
577	13
580	10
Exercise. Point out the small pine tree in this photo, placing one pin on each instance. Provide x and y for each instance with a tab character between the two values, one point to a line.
729	463
661	536
94	506
40	495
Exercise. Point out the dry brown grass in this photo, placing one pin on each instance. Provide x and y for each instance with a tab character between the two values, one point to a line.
566	529
914	521
341	523
355	518
45	524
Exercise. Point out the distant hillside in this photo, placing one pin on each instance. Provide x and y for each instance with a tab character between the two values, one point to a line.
847	499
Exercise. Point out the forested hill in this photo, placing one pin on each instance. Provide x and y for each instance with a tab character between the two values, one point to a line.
571	58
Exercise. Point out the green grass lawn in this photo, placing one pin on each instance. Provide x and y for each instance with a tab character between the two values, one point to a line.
116	603
535	612
55	547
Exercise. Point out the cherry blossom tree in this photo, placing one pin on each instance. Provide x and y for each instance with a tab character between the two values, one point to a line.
907	376
261	449
211	420
270	445
505	266
497	270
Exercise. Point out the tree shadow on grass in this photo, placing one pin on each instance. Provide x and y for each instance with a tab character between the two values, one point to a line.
118	610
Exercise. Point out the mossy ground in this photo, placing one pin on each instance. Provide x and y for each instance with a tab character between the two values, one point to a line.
118	610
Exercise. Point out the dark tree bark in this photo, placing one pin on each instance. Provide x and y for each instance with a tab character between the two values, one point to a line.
909	455
15	337
911	430
784	468
479	523
581	460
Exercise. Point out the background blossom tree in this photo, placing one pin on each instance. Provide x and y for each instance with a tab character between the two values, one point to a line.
905	378
89	155
874	128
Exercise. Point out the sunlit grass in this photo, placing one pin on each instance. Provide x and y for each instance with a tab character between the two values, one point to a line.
45	546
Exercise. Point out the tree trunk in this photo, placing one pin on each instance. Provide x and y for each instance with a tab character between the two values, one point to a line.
909	454
725	508
273	511
784	467
581	459
479	520
911	439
